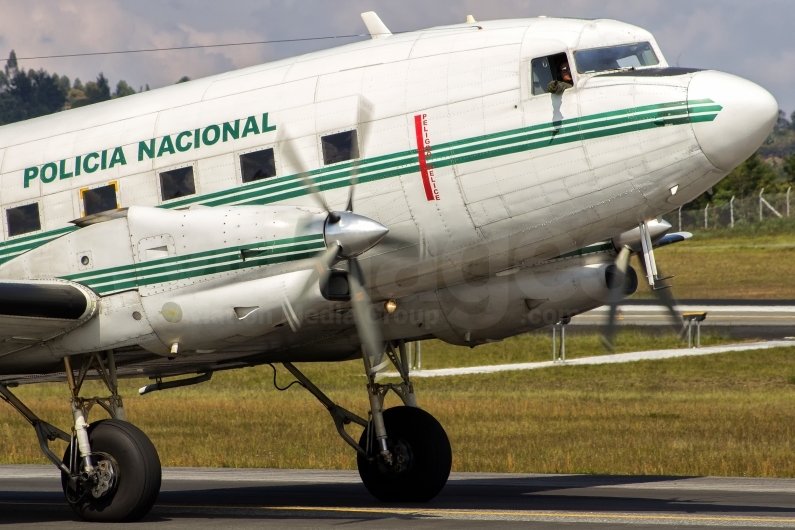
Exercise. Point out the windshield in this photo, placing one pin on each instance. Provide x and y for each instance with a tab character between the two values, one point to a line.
615	58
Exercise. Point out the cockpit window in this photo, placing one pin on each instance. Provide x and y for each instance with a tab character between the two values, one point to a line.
544	70
624	57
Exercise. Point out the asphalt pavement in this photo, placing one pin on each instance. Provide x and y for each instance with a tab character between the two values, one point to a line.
765	319
198	499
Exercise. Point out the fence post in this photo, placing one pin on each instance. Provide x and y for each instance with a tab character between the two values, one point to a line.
731	211
760	202
706	224
680	218
788	190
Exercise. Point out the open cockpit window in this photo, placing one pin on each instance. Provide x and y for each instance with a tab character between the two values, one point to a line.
545	70
23	219
624	57
340	147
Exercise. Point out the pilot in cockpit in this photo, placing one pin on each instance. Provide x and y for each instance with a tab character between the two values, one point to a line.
563	82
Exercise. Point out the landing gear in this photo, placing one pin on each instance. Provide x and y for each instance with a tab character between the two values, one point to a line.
110	471
421	458
403	454
126	477
114	470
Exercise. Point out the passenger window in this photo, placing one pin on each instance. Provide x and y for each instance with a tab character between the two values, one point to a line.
177	183
23	219
545	70
257	165
100	199
340	147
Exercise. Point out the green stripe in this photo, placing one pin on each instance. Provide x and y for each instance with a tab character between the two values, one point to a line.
287	187
132	278
590	249
405	162
13	247
196	255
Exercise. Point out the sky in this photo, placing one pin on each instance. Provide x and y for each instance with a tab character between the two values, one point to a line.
753	39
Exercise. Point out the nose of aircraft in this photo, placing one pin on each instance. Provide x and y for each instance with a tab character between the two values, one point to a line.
746	118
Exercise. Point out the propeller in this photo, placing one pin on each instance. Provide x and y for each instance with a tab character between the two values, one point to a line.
347	235
616	280
665	296
622	281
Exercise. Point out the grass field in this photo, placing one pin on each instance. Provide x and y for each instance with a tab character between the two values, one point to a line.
749	261
727	414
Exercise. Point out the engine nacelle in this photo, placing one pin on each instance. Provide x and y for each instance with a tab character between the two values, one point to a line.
502	306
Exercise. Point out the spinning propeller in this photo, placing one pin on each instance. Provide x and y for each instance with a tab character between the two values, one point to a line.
622	279
347	235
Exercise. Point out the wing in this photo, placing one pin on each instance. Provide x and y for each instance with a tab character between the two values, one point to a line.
35	311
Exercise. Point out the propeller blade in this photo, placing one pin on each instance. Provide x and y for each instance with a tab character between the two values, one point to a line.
320	270
616	295
368	330
303	173
363	134
667	298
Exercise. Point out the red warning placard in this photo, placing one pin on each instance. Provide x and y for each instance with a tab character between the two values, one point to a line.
423	153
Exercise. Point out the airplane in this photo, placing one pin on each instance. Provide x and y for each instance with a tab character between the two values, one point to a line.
467	183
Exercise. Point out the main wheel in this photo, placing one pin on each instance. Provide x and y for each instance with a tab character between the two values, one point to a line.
128	477
421	461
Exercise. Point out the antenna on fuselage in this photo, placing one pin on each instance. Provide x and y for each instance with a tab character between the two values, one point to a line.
375	26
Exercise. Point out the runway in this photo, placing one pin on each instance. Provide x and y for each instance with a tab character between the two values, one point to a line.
768	319
265	498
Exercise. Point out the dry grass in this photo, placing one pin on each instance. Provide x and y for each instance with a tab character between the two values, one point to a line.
749	261
727	414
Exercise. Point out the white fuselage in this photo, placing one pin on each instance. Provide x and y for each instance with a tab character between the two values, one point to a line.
472	173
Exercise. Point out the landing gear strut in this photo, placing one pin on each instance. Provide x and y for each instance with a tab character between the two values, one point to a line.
110	471
403	454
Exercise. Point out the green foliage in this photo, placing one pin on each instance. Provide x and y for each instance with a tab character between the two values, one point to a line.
744	181
747	179
95	91
26	95
123	89
788	168
183	79
29	94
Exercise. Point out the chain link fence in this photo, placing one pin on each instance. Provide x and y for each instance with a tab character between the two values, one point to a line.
735	212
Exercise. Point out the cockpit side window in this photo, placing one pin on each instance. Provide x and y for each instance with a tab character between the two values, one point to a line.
545	70
624	57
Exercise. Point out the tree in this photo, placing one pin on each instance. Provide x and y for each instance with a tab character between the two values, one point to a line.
123	89
96	92
78	85
746	180
30	94
11	64
788	168
183	79
64	83
782	124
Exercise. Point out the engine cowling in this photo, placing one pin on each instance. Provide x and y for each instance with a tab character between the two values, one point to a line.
502	306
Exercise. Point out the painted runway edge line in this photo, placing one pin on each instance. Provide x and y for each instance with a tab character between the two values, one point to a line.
600	359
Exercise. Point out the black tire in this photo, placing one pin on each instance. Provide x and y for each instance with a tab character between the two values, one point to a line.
139	474
429	458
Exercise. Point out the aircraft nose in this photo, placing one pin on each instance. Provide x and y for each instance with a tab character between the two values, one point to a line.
731	134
